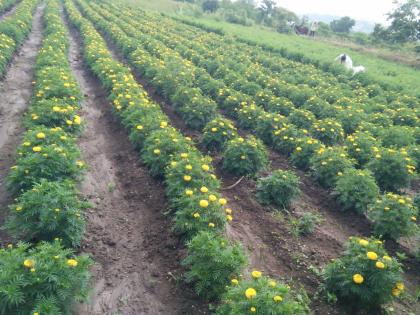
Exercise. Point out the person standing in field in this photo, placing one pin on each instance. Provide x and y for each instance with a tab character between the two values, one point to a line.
313	28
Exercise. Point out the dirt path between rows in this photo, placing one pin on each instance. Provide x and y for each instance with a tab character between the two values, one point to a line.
9	11
267	237
137	256
15	94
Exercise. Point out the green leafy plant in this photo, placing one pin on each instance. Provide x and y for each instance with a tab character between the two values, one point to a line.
365	276
48	211
305	148
212	262
217	132
328	131
356	189
328	164
45	279
391	169
279	188
245	156
393	216
305	224
261	295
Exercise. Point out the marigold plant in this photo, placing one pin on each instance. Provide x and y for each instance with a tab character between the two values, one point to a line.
212	262
261	295
365	276
279	188
44	279
393	216
217	133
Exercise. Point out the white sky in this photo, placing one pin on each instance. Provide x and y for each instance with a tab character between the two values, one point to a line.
367	10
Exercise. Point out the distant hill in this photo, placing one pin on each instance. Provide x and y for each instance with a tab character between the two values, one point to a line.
361	26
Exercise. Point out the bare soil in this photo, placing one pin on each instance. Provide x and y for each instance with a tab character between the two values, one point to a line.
15	94
137	257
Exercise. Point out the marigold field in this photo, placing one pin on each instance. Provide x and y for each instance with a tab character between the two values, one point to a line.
152	164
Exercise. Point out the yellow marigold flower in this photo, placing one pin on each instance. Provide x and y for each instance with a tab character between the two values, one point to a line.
36	149
387	258
413	218
380	265
204	189
272	283
211	225
184	155
277	298
298	149
196	215
222	201
229	218
77	120
63	138
156	151
364	242
18	209
396	292
250	293
400	286
205	167
139	127
36	313
26	144
163	124
214	129
253	309
69	122
234	281
189	192
72	262
187	178
372	255
56	109
80	163
40	135
29	263
228	211
358	278
9	245
243	157
188	167
33	269
204	203
212	198
256	274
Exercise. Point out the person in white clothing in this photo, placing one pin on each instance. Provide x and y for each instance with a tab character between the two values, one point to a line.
348	63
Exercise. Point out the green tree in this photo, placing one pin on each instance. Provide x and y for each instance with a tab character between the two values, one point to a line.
210	5
405	22
342	25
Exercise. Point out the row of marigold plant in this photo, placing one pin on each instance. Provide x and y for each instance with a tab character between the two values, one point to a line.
13	30
332	167
199	210
42	274
6	5
359	281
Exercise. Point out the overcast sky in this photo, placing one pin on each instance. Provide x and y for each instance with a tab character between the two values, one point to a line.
367	10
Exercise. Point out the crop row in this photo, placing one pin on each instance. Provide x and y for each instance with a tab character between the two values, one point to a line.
339	277
179	81
199	211
6	5
13	30
42	275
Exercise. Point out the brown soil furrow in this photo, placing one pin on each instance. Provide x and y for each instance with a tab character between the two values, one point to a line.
15	94
137	256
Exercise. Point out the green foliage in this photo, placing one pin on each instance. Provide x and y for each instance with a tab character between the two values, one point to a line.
46	279
48	211
397	136
356	189
245	156
306	147
302	118
212	262
342	25
217	132
364	277
328	131
360	146
393	216
305	224
391	169
279	188
159	148
262	296
328	164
